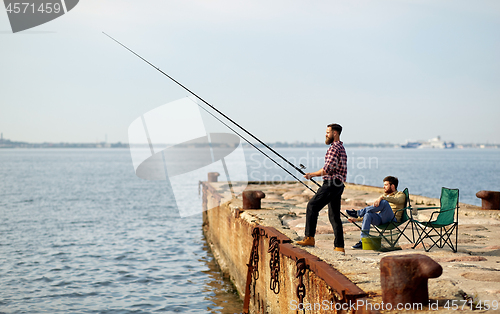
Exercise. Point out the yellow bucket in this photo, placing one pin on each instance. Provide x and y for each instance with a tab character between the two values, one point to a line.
371	243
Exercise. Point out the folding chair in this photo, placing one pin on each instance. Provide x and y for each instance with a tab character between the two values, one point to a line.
441	226
392	231
395	229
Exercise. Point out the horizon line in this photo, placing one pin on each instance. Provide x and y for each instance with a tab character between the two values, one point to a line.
280	143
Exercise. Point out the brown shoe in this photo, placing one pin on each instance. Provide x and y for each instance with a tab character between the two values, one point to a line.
339	249
307	241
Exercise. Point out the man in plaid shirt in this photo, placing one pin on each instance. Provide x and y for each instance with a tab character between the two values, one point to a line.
334	174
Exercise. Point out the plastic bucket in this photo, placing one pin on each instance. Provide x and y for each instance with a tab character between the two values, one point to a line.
371	243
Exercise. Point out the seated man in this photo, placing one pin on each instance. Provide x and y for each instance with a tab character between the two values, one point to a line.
383	210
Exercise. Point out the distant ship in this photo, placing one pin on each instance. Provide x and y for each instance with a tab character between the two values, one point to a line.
409	144
432	143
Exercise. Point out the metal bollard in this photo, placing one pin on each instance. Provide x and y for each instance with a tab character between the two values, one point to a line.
251	199
212	176
404	278
490	199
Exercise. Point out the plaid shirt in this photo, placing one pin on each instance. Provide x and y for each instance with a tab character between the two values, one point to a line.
335	162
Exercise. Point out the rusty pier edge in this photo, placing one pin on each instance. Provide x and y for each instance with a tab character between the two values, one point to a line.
263	265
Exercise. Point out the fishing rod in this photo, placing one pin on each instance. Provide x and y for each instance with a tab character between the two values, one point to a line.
225	116
307	186
217	110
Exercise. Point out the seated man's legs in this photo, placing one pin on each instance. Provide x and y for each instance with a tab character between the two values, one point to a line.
384	208
375	216
368	219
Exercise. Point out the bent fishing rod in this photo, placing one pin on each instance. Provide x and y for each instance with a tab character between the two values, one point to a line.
222	114
307	186
210	113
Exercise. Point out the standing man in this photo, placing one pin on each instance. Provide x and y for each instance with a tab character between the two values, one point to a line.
385	208
334	174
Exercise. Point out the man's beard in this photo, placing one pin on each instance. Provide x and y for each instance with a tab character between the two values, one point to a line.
389	191
328	140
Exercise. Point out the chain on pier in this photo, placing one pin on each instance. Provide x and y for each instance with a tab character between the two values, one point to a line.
256	234
301	288
274	264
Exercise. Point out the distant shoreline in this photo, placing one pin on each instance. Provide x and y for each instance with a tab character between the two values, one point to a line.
10	144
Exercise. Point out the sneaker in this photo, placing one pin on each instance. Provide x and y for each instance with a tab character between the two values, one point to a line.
352	213
358	245
339	249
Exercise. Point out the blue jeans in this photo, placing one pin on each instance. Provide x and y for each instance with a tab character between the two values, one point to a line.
375	216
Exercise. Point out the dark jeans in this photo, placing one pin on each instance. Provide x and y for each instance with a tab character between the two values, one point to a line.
329	193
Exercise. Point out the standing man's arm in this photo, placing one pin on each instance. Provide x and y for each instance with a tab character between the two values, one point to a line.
318	173
329	160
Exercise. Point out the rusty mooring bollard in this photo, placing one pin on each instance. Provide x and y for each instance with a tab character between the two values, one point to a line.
251	199
212	176
490	199
404	278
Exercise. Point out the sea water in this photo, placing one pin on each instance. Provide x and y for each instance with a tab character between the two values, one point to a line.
422	171
80	233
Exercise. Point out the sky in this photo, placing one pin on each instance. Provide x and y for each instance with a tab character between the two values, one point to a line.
387	71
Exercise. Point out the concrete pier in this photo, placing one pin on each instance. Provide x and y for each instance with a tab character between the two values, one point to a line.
321	280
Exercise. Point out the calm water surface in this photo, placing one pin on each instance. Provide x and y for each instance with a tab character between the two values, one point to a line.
80	233
423	171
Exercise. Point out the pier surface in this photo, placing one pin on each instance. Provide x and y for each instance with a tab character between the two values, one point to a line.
474	271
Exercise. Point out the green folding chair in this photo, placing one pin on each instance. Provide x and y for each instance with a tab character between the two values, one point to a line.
392	231
442	224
